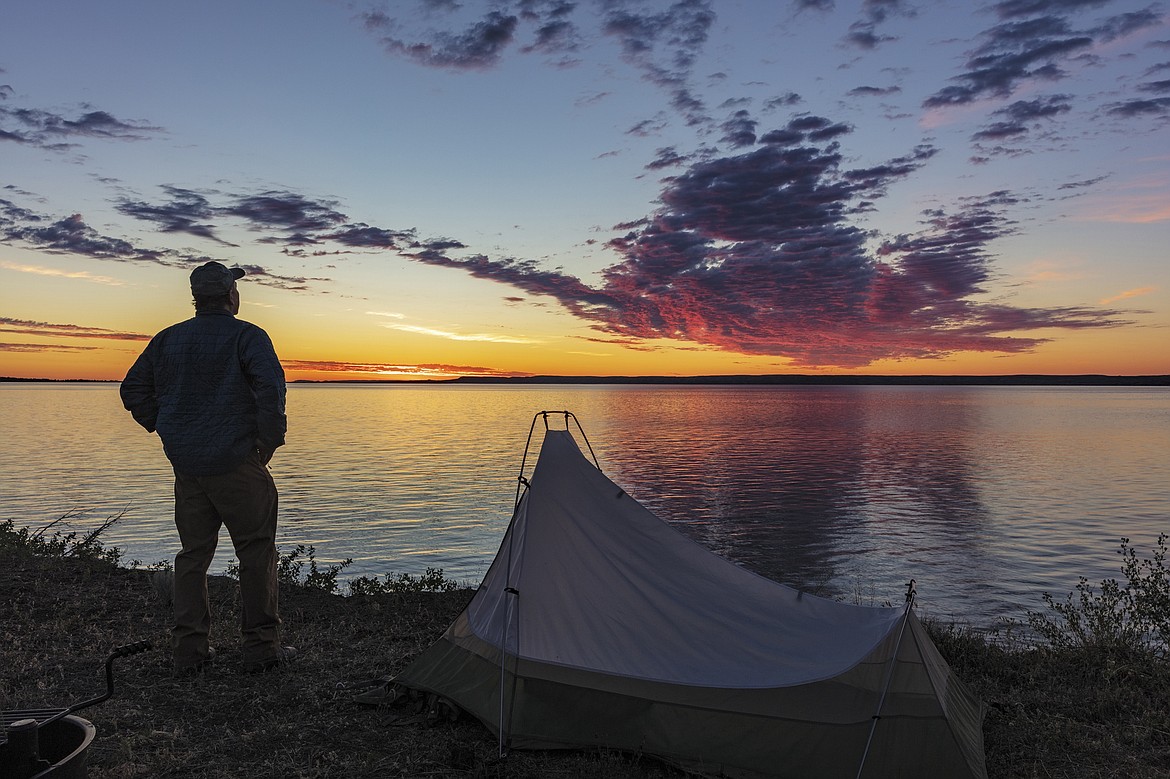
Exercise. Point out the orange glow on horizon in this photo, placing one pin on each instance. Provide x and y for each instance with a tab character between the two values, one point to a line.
98	361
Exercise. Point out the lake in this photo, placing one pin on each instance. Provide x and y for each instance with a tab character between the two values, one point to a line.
987	496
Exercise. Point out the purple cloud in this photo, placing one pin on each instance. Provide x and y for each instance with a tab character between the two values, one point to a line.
813	5
188	212
866	91
555	33
664	46
72	235
1013	9
1010	53
863	34
479	46
1158	106
739	131
667	157
300	220
786	100
286	211
363	236
30	327
43	348
1031	42
55	132
754	254
1021	116
1155	86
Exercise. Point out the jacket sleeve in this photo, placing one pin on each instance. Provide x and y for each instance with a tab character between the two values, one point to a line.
266	377
138	392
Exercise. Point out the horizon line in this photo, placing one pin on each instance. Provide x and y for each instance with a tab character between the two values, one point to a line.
1018	379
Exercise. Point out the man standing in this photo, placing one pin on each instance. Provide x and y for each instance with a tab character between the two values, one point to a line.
214	390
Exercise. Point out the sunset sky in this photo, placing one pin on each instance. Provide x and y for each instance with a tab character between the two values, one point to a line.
607	187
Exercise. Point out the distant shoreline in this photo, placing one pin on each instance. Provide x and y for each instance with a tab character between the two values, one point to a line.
1006	380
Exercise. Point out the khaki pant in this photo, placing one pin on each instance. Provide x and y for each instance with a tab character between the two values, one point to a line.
244	500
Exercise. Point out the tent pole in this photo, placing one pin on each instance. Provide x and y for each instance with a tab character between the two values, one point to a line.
911	592
513	596
513	604
505	707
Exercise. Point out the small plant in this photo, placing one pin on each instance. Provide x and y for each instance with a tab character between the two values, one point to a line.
290	571
155	567
289	567
433	580
62	542
1129	616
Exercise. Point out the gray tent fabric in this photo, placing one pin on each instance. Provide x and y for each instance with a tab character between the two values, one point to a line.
598	624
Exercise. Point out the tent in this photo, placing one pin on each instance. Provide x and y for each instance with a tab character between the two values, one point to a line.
599	625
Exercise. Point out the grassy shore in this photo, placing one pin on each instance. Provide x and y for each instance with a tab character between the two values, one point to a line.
1072	709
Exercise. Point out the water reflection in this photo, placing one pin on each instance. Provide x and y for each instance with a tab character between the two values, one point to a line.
987	496
822	488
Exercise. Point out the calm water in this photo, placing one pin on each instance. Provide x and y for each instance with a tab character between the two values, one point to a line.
988	496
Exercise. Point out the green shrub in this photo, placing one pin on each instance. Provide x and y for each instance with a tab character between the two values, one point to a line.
1121	616
62	542
291	571
433	580
289	567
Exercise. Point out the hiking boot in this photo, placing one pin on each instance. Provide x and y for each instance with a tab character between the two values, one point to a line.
282	656
196	668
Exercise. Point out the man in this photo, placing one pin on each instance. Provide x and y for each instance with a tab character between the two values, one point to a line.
214	390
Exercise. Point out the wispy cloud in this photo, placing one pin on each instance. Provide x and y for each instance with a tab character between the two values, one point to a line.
589	354
1033	41
663	45
1157	105
864	33
394	370
1136	210
1018	119
289	219
1140	107
868	91
1045	271
57	132
1138	201
480	45
72	235
1129	293
39	270
54	330
450	336
43	348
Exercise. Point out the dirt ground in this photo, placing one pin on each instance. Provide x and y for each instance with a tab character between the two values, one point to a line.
60	619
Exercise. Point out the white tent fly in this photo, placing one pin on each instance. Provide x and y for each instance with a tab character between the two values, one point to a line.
599	625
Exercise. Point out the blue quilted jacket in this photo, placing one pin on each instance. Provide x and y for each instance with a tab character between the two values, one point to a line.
213	388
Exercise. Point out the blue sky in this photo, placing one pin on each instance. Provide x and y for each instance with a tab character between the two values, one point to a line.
440	188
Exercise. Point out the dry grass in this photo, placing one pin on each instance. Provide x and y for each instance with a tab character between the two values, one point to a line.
1072	714
61	617
1079	714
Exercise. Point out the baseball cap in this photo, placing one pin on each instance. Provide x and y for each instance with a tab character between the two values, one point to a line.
214	278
